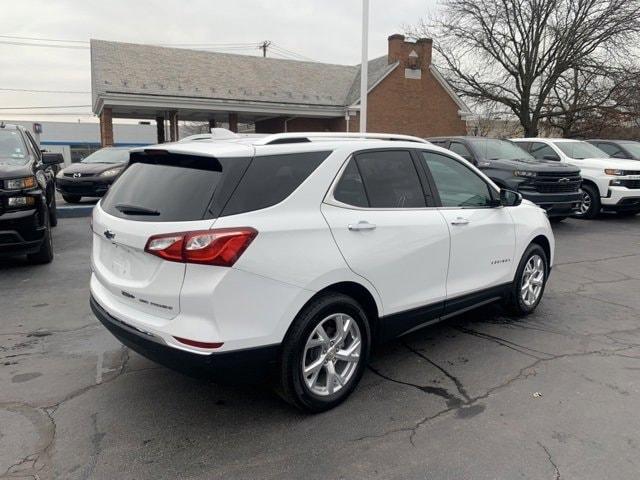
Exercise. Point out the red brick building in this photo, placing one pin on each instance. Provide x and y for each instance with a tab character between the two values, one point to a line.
406	92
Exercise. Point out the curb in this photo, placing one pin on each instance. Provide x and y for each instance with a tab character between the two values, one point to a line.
75	211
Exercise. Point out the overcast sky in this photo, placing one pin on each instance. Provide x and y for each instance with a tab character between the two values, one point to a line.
324	30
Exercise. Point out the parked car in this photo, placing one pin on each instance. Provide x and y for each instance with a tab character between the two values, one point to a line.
92	176
551	185
619	148
608	184
294	254
27	195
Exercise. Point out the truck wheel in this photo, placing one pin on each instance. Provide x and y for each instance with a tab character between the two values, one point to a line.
45	254
590	206
71	198
324	353
529	282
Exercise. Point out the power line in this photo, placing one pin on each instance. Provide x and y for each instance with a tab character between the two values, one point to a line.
43	39
84	44
292	53
41	91
46	45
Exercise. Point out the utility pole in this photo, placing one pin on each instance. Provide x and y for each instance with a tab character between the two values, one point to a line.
263	46
363	66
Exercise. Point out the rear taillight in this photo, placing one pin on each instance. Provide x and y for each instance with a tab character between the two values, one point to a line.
222	246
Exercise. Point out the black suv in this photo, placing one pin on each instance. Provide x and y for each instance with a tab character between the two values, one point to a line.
27	195
550	185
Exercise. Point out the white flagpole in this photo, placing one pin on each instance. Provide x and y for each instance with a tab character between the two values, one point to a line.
363	66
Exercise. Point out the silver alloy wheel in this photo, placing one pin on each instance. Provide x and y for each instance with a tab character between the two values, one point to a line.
331	354
532	280
586	203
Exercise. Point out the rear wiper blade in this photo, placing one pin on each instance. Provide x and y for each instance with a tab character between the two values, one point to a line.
135	210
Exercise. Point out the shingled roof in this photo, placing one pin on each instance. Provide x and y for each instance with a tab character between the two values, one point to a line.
126	68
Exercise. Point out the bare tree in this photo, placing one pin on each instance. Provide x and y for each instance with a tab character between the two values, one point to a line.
514	52
590	94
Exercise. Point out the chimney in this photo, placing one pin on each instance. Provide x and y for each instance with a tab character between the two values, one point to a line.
411	55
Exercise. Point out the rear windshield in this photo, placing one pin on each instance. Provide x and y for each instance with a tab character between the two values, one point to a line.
173	188
179	188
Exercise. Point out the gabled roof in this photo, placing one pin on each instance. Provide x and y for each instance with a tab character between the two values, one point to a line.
126	68
121	71
378	68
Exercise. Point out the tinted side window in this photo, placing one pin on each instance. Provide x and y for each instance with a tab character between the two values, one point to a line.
460	149
390	179
270	179
350	188
539	150
457	185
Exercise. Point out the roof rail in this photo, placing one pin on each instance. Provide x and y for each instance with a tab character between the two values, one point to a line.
280	138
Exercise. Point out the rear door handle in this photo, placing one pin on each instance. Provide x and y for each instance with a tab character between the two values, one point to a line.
460	221
361	225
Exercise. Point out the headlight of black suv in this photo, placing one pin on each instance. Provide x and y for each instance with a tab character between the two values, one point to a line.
524	173
20	183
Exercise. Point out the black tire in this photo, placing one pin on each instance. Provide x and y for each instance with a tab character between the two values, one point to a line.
591	195
556	219
628	213
292	386
514	302
72	198
45	254
53	211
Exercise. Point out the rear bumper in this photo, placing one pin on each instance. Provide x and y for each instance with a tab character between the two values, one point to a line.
21	232
93	187
251	365
555	204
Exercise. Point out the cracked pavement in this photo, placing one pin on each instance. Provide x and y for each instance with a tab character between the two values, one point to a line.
554	395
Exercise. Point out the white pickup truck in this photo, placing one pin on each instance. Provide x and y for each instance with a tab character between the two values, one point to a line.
608	184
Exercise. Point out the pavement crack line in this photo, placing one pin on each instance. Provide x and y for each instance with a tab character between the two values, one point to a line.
49	411
456	381
455	404
505	343
550	458
605	259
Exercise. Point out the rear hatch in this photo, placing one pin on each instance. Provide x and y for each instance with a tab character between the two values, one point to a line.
161	192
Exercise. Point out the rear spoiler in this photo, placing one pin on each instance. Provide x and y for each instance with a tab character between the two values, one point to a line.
158	156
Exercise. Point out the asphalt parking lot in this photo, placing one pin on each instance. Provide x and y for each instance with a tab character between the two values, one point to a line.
555	395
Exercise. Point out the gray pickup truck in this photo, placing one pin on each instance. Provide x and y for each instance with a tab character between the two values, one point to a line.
551	185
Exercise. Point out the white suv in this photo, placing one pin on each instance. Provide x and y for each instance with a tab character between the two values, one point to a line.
294	253
608	183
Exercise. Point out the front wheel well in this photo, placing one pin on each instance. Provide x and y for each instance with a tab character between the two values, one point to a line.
544	243
593	185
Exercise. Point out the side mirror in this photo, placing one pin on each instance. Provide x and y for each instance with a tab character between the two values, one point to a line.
509	198
52	158
554	158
